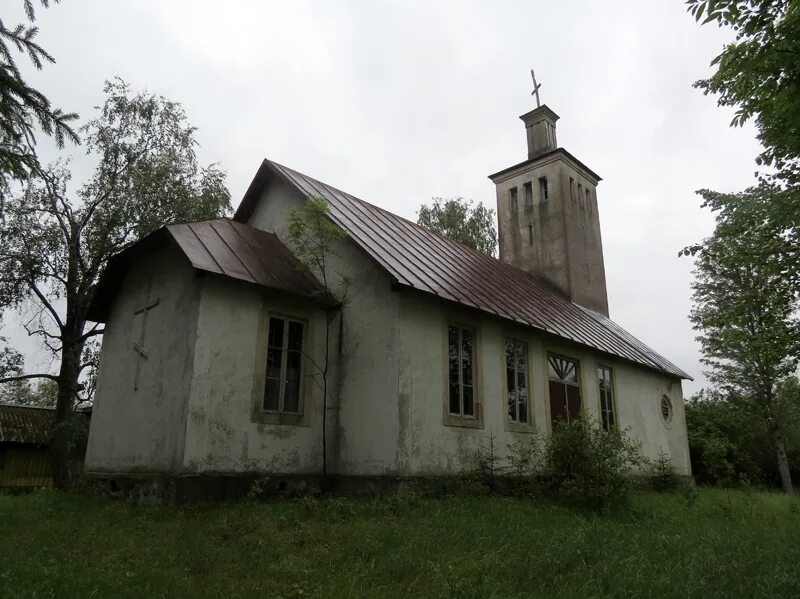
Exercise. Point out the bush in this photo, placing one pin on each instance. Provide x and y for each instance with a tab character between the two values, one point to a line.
662	474
590	466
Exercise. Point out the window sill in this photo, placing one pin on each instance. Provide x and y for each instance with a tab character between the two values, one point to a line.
460	421
518	427
262	417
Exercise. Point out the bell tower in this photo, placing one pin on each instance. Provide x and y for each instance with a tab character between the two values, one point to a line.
548	223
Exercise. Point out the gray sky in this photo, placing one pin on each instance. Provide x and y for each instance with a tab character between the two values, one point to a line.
396	102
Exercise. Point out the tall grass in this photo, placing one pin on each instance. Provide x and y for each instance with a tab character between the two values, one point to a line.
714	544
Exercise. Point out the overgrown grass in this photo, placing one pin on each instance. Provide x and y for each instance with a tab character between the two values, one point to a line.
714	544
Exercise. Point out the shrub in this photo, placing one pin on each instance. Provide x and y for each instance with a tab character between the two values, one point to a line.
590	466
662	474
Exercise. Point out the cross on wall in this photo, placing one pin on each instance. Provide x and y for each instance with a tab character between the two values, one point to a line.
138	346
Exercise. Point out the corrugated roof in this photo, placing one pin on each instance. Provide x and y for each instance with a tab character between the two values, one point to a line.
223	247
23	424
416	257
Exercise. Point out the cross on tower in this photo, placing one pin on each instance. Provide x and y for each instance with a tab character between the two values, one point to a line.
536	87
138	346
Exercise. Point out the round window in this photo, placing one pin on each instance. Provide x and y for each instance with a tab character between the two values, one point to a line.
666	409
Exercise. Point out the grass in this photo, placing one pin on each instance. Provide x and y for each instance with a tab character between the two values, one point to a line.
720	544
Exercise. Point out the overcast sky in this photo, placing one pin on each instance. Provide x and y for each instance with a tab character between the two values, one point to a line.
396	102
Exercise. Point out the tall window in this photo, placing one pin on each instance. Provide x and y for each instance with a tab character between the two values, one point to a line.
530	233
284	366
527	190
571	188
543	193
517	381
512	199
461	359
606	382
565	389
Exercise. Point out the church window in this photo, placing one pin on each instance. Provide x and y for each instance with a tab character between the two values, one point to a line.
605	382
571	188
517	381
284	366
512	199
530	233
580	191
666	409
528	194
588	196
461	371
565	389
543	193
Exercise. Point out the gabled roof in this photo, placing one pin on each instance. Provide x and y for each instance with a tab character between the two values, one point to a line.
25	424
223	247
417	258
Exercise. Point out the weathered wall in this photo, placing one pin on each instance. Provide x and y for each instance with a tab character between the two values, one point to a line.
563	243
222	434
143	430
437	449
365	421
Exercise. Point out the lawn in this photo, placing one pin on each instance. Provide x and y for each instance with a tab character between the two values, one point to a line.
717	544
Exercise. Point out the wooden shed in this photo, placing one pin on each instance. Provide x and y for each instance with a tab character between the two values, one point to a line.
25	461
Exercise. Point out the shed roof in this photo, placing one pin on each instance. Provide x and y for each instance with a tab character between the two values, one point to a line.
223	247
421	259
26	424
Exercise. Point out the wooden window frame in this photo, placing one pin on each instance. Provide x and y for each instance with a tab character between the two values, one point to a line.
527	195
516	425
259	413
544	190
463	420
613	391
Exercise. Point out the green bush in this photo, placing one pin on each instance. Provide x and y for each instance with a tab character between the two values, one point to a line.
590	466
662	473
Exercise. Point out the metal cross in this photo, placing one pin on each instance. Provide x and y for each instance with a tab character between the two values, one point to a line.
138	346
536	87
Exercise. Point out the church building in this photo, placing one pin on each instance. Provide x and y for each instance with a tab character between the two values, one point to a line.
213	361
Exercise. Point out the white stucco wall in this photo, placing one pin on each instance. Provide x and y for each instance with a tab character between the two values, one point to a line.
365	420
143	430
222	435
434	448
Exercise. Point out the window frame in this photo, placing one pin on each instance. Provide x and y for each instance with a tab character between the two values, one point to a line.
527	195
264	416
475	420
544	191
613	391
578	384
287	320
513	200
667	422
515	425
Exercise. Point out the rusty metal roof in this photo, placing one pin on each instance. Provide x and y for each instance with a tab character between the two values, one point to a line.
24	424
418	258
223	247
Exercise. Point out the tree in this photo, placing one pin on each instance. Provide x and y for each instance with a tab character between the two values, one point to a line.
313	237
458	220
745	309
23	108
54	243
759	73
21	392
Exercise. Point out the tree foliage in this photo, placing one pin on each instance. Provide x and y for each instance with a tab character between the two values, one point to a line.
23	109
759	73
460	221
55	241
745	309
313	237
729	447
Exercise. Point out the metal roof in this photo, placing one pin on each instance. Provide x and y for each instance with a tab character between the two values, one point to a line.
25	424
418	258
223	247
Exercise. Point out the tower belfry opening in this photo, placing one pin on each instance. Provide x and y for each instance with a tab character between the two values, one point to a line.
556	236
